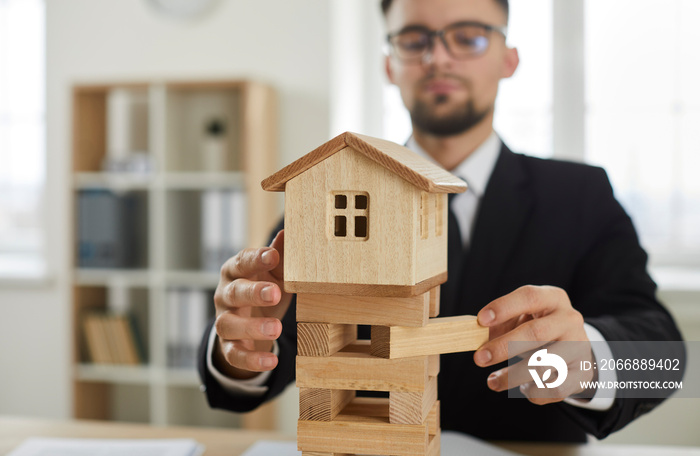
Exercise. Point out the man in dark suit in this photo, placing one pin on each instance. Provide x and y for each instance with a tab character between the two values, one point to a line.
540	250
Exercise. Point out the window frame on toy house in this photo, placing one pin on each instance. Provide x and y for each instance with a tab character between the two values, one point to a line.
348	216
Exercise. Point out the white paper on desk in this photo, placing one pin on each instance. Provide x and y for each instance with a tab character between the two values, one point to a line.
451	444
108	447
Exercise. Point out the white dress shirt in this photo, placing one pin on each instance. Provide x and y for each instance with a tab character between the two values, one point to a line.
476	171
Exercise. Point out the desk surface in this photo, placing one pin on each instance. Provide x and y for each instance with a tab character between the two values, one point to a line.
232	442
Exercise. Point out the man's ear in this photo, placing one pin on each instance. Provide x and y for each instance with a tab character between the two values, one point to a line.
511	60
388	70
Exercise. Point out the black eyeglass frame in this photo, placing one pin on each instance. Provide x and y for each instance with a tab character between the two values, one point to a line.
432	34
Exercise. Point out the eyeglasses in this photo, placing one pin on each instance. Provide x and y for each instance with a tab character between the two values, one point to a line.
462	40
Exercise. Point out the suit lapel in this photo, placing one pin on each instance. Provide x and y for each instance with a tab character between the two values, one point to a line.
502	213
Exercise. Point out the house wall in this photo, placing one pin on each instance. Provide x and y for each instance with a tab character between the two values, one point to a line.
386	257
431	253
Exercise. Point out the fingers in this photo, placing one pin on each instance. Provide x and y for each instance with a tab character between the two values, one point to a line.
527	300
247	293
240	356
530	336
230	326
250	262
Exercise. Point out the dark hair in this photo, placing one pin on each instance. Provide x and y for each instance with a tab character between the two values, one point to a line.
386	4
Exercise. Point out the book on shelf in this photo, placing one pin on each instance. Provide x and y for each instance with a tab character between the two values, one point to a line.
224	226
188	311
110	339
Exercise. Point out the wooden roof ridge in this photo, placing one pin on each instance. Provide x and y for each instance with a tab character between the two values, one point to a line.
400	160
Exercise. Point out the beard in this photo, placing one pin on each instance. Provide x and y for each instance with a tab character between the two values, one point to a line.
457	121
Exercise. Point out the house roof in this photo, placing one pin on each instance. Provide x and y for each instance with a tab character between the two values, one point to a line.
400	160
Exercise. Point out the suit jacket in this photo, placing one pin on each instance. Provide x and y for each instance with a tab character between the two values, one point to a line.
540	222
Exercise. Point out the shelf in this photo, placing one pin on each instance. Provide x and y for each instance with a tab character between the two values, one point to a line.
197	279
112	277
204	181
112	181
150	234
135	375
170	181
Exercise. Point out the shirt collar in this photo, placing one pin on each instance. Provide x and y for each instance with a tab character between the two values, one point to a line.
476	169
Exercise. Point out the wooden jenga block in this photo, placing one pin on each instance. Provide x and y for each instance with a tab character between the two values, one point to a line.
434	445
322	404
433	365
414	407
440	335
355	369
363	428
434	302
412	311
433	420
318	453
323	339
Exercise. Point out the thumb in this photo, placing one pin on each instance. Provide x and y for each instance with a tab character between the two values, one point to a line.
278	244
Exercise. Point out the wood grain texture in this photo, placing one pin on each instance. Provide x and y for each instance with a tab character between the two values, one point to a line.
414	407
324	339
363	427
355	369
317	404
433	420
314	254
386	311
434	303
433	365
400	160
431	248
440	335
359	289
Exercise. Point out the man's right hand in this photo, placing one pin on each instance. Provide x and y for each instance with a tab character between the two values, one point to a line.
250	302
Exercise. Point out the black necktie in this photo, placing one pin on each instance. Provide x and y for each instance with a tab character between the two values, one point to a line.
455	257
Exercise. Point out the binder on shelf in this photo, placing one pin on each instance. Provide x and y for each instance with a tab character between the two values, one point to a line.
108	229
224	226
187	314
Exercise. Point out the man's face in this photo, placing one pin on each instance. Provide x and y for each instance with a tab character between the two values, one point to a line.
444	95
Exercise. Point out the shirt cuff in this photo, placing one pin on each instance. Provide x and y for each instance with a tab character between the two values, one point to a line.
601	350
250	387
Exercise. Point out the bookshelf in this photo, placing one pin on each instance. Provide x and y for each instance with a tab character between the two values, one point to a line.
153	162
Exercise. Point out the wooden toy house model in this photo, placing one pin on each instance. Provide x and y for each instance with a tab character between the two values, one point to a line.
363	211
366	243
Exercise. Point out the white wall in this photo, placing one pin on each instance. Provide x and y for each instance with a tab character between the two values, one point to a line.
280	42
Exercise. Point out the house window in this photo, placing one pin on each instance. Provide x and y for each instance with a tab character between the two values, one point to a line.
349	215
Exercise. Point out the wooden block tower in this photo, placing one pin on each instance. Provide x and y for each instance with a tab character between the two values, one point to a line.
366	244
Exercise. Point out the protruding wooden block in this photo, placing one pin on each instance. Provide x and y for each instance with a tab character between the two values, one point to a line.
412	408
434	302
440	335
412	311
323	339
363	428
355	369
317	404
